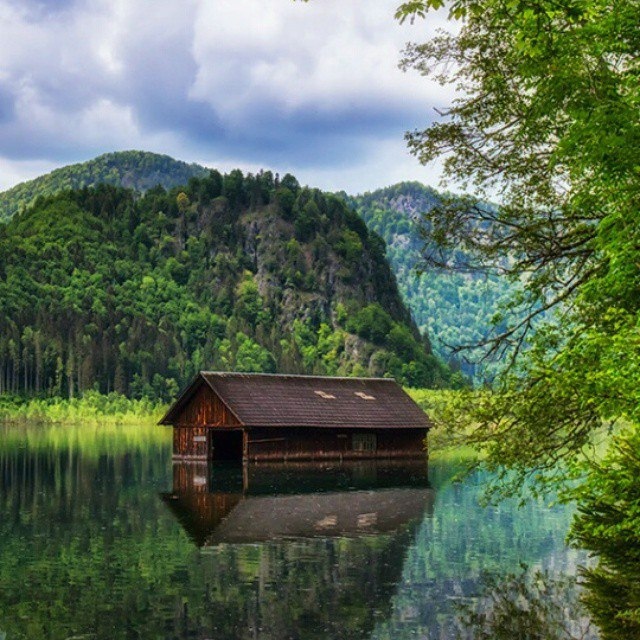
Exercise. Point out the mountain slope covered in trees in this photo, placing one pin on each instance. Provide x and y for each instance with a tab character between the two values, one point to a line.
452	308
138	170
102	289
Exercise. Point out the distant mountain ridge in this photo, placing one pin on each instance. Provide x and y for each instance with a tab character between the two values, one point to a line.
138	170
452	308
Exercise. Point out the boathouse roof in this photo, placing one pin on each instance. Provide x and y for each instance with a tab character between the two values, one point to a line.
284	400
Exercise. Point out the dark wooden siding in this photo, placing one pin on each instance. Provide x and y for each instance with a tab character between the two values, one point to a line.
317	444
190	442
203	430
205	408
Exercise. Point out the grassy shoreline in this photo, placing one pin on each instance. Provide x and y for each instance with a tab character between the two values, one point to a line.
92	408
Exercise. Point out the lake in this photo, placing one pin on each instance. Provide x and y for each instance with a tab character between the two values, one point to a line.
103	537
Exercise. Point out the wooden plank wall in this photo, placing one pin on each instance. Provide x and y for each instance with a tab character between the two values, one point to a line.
206	408
185	444
317	444
190	433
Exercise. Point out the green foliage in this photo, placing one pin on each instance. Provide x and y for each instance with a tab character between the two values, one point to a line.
137	170
452	308
232	189
92	408
285	200
549	119
402	342
182	200
371	323
251	357
439	404
349	246
102	289
249	304
307	222
290	183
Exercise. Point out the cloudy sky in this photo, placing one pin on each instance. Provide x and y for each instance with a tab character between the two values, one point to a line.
313	89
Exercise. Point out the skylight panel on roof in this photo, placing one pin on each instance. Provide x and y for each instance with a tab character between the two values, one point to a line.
325	395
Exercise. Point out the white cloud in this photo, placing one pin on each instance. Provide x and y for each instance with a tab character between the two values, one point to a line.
313	86
330	56
387	162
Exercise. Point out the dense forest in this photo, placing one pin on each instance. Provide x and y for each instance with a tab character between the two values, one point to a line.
139	170
454	308
451	308
103	289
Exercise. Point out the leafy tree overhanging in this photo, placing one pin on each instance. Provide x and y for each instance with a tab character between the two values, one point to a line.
547	118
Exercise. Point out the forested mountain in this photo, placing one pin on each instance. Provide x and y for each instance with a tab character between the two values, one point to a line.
138	170
452	308
101	288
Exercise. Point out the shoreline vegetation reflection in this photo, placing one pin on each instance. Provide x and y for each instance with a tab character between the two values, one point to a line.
104	537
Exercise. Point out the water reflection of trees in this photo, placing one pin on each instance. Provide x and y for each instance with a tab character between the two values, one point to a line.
315	588
528	605
453	551
89	549
83	548
347	529
541	606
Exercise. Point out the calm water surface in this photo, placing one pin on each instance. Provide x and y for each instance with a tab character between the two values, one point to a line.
102	537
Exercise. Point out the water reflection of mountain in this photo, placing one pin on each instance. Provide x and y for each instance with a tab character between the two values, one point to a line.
256	503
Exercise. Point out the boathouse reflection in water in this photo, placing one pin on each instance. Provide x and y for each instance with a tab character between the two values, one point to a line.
257	502
325	544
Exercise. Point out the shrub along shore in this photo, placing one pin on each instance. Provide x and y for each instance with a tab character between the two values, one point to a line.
91	408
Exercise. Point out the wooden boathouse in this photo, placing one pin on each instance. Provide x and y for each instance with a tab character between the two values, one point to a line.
258	417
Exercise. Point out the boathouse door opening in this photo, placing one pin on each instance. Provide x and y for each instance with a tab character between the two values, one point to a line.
225	444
